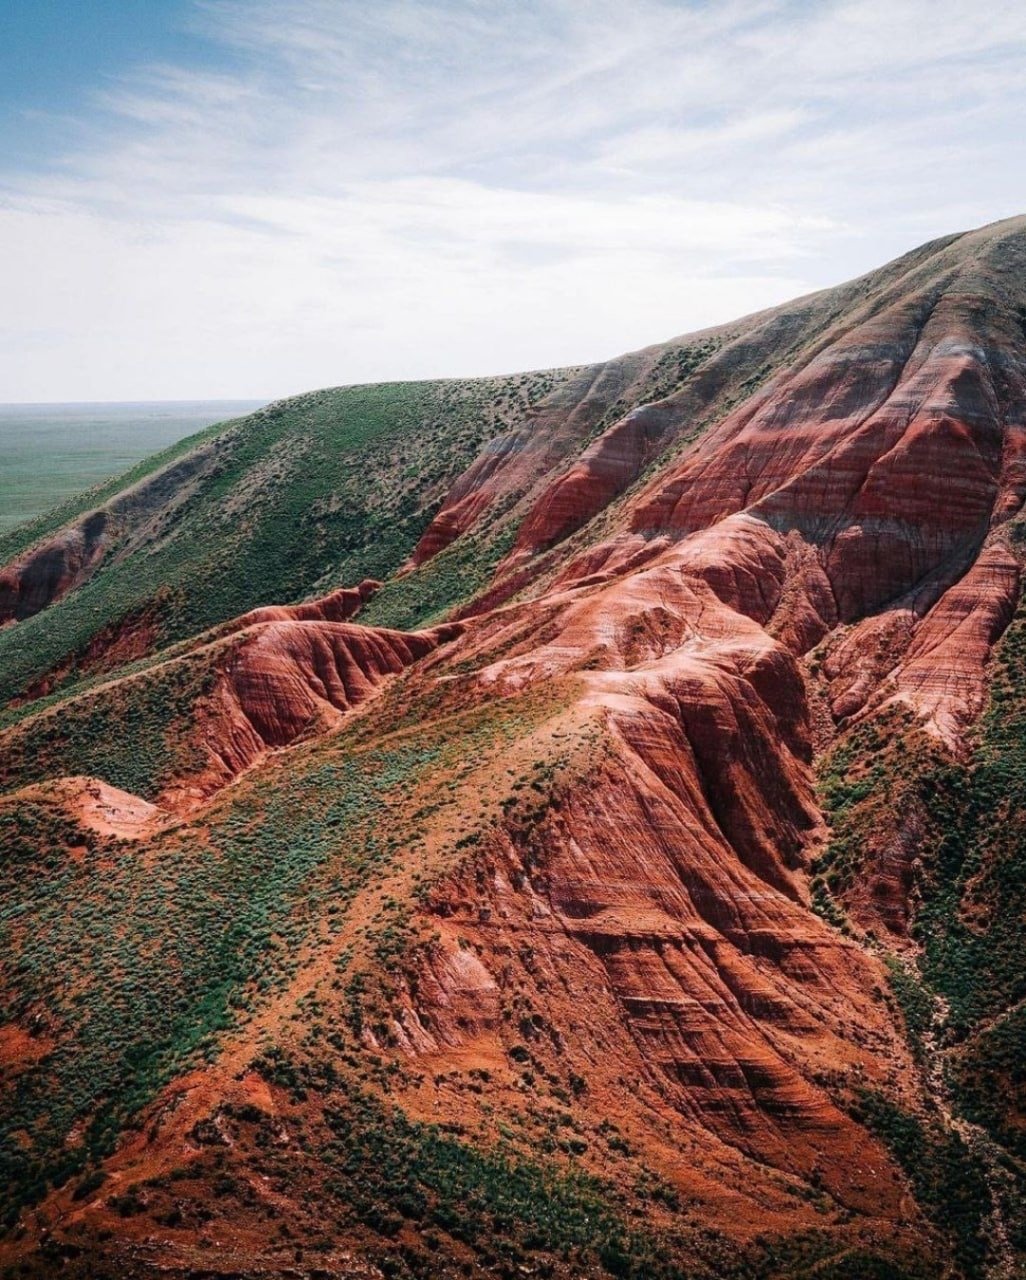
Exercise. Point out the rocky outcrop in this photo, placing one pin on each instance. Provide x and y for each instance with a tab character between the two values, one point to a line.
655	919
667	886
603	471
510	465
338	606
256	684
282	678
943	675
852	500
719	365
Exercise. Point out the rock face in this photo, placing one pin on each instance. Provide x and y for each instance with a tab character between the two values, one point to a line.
281	678
524	457
678	920
943	672
586	897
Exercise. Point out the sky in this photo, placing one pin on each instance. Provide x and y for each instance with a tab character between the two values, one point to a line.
250	198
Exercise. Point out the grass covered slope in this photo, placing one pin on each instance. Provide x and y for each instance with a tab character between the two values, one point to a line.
52	452
322	490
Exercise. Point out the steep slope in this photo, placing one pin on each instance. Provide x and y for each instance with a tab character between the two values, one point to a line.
629	885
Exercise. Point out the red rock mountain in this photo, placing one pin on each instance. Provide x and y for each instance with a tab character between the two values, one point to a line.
628	883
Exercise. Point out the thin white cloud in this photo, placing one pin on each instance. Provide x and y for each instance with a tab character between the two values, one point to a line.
404	188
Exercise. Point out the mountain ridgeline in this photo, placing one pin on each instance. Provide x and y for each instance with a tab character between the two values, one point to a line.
569	824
